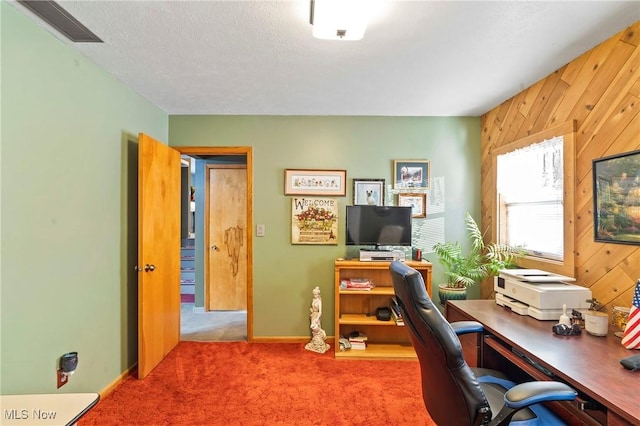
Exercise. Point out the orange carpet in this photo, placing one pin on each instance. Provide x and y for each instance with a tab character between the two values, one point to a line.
239	383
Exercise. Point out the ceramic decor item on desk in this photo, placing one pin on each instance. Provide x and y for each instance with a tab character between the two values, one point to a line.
595	322
564	318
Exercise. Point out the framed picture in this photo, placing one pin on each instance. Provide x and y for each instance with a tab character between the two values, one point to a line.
368	191
417	202
411	174
616	198
314	220
315	182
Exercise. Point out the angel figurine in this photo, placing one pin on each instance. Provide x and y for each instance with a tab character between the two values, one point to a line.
318	335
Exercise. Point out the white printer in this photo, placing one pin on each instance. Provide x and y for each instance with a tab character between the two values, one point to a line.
539	294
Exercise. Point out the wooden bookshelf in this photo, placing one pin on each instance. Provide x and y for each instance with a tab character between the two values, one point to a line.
355	310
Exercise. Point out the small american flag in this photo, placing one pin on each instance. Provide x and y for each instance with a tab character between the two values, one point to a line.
631	336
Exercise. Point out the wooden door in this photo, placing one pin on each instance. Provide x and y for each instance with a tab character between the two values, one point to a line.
158	252
227	227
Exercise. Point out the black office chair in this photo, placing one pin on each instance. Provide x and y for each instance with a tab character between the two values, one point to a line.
454	393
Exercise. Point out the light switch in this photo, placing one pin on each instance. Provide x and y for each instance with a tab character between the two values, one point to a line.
260	230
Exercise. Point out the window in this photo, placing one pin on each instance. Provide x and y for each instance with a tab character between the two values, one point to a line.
534	198
530	186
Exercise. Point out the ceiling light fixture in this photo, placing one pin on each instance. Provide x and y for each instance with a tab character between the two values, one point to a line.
339	19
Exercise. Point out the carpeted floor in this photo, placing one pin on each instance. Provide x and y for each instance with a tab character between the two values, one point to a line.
240	383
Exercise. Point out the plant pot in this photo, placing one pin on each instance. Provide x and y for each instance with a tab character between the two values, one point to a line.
451	293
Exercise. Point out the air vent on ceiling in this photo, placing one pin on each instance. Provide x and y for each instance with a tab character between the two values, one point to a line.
53	14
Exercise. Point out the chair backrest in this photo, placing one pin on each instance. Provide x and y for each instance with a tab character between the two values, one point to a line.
450	390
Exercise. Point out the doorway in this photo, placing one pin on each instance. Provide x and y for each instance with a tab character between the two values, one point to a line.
226	259
205	320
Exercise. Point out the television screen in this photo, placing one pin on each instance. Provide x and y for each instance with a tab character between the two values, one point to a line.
378	226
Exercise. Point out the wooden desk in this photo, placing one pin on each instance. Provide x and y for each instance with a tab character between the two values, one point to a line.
589	364
45	409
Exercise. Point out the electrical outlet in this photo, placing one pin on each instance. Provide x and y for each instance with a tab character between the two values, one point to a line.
68	363
62	378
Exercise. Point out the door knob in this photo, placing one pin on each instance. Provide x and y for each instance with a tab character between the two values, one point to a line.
215	247
137	268
149	268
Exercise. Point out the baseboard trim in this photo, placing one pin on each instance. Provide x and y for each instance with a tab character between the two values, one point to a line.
284	339
131	371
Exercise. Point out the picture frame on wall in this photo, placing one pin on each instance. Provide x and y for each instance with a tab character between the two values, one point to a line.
315	182
616	198
368	191
417	202
314	220
411	174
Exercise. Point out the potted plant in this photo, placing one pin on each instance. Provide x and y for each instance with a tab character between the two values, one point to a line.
482	261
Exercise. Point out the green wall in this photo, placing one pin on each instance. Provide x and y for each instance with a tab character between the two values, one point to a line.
69	133
285	274
68	212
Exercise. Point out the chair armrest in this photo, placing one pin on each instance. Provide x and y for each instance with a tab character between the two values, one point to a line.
465	327
530	393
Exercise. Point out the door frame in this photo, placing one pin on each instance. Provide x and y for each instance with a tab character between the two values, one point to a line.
247	151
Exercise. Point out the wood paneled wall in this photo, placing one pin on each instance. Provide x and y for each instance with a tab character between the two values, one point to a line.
600	90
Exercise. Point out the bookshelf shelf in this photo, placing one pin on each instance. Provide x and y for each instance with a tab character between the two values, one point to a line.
380	351
363	319
355	310
387	289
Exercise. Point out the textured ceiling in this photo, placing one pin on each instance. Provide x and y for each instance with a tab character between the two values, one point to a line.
417	58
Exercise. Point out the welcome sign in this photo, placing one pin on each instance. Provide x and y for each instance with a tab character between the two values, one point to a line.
314	221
